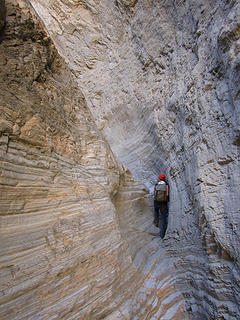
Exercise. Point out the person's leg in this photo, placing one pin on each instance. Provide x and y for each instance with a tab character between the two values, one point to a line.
156	214
163	218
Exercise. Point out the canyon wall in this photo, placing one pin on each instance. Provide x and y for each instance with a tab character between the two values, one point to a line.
160	79
75	225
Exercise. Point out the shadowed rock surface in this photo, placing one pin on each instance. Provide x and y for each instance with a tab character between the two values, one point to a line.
2	14
161	81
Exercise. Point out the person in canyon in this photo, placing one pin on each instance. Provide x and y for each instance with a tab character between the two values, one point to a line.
161	199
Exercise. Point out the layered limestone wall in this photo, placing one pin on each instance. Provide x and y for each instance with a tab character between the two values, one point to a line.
75	225
161	79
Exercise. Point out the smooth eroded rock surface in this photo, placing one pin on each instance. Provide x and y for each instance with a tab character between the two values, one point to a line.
75	225
161	81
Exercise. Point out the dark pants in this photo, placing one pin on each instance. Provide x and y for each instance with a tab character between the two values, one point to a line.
161	216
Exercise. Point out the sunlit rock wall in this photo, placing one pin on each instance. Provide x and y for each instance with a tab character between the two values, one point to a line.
162	81
75	225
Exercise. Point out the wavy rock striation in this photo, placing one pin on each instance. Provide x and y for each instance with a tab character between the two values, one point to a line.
75	224
161	79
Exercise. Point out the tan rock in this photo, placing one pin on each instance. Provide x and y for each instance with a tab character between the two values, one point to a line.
33	132
5	126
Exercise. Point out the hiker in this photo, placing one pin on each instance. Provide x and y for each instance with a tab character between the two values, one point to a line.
161	198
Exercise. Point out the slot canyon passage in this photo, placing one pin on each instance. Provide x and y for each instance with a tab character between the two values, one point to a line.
97	99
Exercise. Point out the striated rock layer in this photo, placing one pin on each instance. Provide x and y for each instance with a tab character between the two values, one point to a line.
75	225
161	79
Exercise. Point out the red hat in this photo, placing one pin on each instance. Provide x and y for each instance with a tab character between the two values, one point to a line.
162	177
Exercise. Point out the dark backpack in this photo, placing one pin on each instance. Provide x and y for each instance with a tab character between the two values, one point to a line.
161	191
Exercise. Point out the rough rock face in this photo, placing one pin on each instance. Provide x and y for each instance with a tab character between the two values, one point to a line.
162	81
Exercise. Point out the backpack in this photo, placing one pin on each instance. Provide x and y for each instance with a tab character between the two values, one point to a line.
161	191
